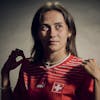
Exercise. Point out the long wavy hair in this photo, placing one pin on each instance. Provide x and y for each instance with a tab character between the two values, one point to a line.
37	49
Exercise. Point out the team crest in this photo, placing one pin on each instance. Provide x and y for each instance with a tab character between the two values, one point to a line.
57	87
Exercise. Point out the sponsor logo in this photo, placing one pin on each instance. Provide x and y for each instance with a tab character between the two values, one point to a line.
41	84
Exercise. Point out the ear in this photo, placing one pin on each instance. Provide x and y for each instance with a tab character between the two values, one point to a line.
69	34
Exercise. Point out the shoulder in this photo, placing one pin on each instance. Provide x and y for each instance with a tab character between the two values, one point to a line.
74	60
77	62
74	63
26	64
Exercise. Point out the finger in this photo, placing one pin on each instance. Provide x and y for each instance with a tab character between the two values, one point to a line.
87	68
19	52
12	54
88	64
88	60
17	49
92	60
85	61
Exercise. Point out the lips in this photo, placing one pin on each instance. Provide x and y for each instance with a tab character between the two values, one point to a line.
53	42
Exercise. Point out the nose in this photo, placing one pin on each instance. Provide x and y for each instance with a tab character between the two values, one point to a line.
53	32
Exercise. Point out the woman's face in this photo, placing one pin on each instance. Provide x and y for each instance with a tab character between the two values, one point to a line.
53	32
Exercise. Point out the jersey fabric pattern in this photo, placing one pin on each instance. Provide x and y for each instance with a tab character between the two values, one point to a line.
65	81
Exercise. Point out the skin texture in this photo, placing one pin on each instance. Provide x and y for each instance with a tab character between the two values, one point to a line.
53	34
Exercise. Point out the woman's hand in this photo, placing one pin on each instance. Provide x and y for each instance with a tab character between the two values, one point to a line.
11	62
92	68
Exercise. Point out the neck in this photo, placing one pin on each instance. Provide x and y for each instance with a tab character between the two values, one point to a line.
53	57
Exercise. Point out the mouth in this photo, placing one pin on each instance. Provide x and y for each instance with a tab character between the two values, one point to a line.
53	42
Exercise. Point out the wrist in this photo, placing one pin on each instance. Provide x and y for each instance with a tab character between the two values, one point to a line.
5	80
5	72
5	88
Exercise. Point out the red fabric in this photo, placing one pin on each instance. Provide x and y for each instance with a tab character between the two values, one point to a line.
66	81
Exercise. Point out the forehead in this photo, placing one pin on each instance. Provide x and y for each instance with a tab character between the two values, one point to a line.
53	16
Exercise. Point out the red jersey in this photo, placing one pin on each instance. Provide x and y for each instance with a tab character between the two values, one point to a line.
65	81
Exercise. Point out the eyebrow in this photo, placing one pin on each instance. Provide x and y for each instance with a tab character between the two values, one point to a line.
45	24
56	23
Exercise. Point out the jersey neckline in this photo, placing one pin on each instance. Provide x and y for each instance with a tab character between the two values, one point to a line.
60	63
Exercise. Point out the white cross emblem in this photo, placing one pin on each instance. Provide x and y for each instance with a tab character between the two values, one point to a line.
57	87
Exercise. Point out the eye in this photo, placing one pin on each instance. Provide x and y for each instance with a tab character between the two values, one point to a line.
44	28
58	26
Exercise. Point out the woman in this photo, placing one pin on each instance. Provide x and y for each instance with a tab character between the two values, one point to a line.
54	72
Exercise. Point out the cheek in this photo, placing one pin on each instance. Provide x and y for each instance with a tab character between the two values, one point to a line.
64	35
63	38
43	36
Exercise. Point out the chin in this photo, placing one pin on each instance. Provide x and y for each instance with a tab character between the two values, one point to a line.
53	48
